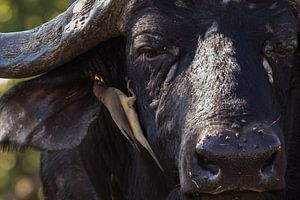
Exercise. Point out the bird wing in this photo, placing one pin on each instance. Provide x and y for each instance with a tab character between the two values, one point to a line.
127	104
110	99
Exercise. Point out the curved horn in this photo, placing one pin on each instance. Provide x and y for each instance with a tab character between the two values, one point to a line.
83	25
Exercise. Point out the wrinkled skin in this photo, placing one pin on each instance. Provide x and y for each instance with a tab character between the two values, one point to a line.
197	70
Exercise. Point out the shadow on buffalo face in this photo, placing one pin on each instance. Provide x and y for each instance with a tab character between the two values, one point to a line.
214	85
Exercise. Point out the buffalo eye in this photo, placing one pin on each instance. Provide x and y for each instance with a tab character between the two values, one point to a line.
276	51
151	54
275	55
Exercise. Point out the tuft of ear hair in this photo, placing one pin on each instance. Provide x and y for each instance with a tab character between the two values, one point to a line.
6	147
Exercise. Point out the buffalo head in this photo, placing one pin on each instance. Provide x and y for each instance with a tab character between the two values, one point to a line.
212	81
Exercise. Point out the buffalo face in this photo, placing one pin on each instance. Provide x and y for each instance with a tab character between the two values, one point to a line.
211	79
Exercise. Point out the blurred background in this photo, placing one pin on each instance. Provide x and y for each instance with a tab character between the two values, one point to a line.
19	170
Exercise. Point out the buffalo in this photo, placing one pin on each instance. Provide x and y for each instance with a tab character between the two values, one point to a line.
159	99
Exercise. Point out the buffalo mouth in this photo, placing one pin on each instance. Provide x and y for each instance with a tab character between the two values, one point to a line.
239	195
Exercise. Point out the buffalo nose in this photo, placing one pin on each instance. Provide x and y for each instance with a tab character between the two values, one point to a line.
248	161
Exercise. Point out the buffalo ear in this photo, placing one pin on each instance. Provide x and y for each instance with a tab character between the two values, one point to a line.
50	112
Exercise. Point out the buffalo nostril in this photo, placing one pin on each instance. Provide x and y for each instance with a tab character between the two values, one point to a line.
237	161
209	169
268	167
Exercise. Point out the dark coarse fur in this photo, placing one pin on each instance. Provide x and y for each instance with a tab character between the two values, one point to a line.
293	175
109	160
64	178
